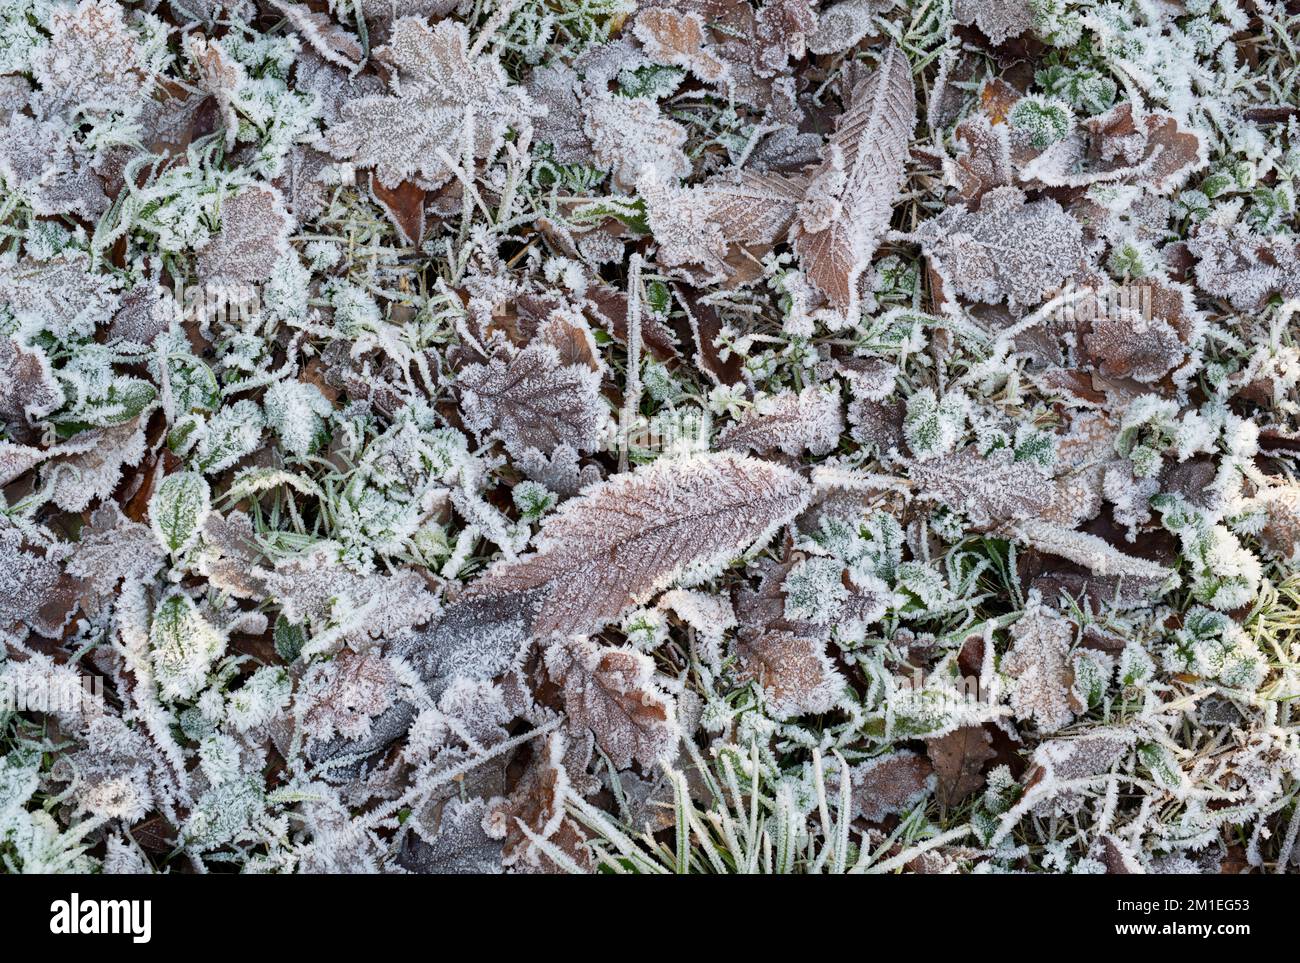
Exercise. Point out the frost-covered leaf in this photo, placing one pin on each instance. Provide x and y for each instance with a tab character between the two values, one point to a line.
183	646
842	25
475	638
144	313
317	588
62	295
851	195
933	425
555	87
1038	662
91	468
405	207
1245	269
253	237
45	162
435	85
1281	532
461	847
561	472
296	412
327	38
795	671
531	400
229	435
221	76
230	558
627	538
756	45
111	549
342	696
538	804
1142	330
17	460
33	589
999	20
673	38
28	389
1093	553
704	223
1008	250
984	161
93	58
1062	760
630	134
993	489
889	784
612	692
1122	145
178	508
793	422
1078	758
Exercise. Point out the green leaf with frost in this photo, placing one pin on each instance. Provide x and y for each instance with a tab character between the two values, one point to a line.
183	646
178	508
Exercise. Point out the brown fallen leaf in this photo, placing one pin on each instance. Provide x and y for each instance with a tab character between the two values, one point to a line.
405	207
958	759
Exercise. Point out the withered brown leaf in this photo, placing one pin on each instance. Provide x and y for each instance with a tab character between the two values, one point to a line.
851	196
625	539
612	692
958	760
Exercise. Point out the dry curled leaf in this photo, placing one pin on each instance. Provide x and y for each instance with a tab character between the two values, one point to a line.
538	804
958	759
327	38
